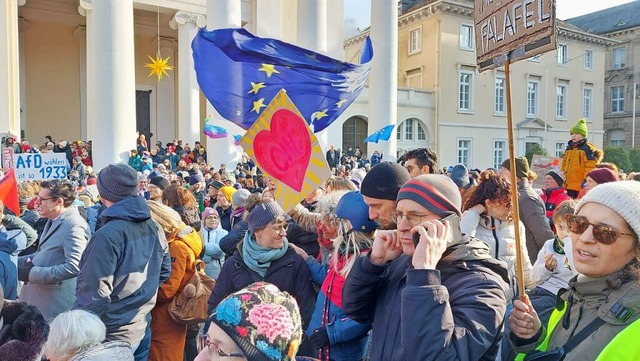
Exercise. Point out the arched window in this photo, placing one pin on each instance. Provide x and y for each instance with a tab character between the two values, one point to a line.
411	130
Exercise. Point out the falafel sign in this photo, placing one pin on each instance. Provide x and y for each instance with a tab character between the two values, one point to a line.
513	28
286	150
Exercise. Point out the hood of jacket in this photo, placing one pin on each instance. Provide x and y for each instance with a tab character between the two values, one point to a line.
14	243
109	351
132	209
472	249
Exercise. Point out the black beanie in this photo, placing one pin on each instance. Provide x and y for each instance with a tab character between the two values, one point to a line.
384	180
160	182
117	181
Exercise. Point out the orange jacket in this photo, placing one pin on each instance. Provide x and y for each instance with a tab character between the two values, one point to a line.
184	247
578	160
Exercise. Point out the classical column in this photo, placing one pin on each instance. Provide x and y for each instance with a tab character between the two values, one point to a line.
80	33
23	26
223	14
383	79
164	126
187	24
111	108
9	67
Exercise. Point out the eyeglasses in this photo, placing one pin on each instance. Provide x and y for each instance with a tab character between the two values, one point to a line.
413	218
203	342
211	217
603	233
279	228
40	199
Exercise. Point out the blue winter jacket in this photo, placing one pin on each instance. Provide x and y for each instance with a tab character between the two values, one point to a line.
12	242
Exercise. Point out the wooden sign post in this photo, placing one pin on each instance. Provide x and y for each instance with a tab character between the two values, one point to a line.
505	31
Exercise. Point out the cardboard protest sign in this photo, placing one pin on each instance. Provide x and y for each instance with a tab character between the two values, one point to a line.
541	165
286	150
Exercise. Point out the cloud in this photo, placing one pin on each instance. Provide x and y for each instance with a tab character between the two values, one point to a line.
350	28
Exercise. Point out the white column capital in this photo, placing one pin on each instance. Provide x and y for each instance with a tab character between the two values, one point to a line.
80	32
170	43
84	6
21	2
183	17
23	25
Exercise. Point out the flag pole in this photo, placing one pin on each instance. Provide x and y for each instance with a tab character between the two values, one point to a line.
515	213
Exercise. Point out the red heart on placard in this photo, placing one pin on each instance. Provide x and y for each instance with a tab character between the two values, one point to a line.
284	151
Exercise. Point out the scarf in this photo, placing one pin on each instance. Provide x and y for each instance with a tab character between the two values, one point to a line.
258	258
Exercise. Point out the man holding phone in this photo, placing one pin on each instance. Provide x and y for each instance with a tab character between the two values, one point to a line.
442	299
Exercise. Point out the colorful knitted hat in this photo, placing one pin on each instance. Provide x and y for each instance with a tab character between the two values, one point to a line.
263	321
580	128
435	192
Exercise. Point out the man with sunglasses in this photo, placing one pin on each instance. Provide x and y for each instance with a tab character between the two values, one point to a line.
429	292
50	273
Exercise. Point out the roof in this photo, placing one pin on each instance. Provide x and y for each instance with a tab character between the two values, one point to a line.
610	20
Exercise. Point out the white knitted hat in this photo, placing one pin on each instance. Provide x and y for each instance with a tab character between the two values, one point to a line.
623	197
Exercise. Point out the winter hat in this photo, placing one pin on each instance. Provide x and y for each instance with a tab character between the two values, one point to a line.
91	181
262	214
384	180
196	178
240	197
228	192
216	184
262	320
63	143
231	176
208	212
603	175
117	181
435	192
580	128
557	176
460	175
623	197
522	167
160	182
142	177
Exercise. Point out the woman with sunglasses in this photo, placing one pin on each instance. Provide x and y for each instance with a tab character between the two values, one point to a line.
265	255
604	299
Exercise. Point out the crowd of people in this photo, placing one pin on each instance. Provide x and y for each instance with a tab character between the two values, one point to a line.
386	261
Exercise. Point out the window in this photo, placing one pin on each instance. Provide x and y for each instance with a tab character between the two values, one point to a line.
563	54
559	149
415	41
465	80
617	99
499	106
561	100
464	145
619	58
616	138
588	60
533	87
499	150
408	129
421	133
466	37
399	131
587	103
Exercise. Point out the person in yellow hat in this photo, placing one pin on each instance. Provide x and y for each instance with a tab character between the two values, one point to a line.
580	157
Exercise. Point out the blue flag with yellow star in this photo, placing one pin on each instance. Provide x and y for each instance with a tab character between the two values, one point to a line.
380	134
240	74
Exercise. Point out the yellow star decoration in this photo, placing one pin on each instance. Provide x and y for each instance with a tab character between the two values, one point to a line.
339	104
255	87
269	69
158	66
319	114
257	105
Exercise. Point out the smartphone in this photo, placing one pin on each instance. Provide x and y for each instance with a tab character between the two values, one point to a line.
454	224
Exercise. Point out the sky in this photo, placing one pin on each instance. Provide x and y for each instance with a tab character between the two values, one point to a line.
357	13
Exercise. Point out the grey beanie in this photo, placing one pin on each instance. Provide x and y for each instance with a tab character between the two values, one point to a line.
160	182
384	181
263	214
460	175
117	181
622	197
240	197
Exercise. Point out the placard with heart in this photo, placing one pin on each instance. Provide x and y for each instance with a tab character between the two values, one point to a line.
286	150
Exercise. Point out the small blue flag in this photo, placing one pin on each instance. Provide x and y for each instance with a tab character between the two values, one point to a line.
213	131
240	74
380	134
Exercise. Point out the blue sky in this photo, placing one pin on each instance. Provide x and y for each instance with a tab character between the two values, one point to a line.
357	13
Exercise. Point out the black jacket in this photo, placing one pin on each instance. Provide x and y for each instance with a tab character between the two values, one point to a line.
455	312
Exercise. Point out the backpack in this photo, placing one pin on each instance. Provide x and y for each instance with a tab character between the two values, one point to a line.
190	305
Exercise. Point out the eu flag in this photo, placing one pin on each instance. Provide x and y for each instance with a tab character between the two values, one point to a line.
380	134
240	74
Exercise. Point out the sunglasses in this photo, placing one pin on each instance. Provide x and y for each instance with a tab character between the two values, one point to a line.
603	233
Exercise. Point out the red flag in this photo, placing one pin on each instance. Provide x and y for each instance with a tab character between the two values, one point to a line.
9	192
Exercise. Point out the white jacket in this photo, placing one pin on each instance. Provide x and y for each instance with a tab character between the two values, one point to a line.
554	280
504	248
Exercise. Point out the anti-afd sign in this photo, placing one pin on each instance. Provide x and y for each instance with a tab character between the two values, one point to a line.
522	28
40	166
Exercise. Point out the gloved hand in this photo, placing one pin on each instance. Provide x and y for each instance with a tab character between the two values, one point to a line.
23	272
319	338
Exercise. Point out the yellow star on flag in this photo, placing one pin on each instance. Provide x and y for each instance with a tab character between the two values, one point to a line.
269	69
158	66
255	87
257	105
339	104
319	114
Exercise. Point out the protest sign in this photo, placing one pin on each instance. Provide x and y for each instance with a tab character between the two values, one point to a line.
40	166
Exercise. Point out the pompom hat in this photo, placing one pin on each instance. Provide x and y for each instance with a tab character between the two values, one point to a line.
580	128
622	197
262	320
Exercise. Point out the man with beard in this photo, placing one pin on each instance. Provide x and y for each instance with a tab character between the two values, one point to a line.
379	190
